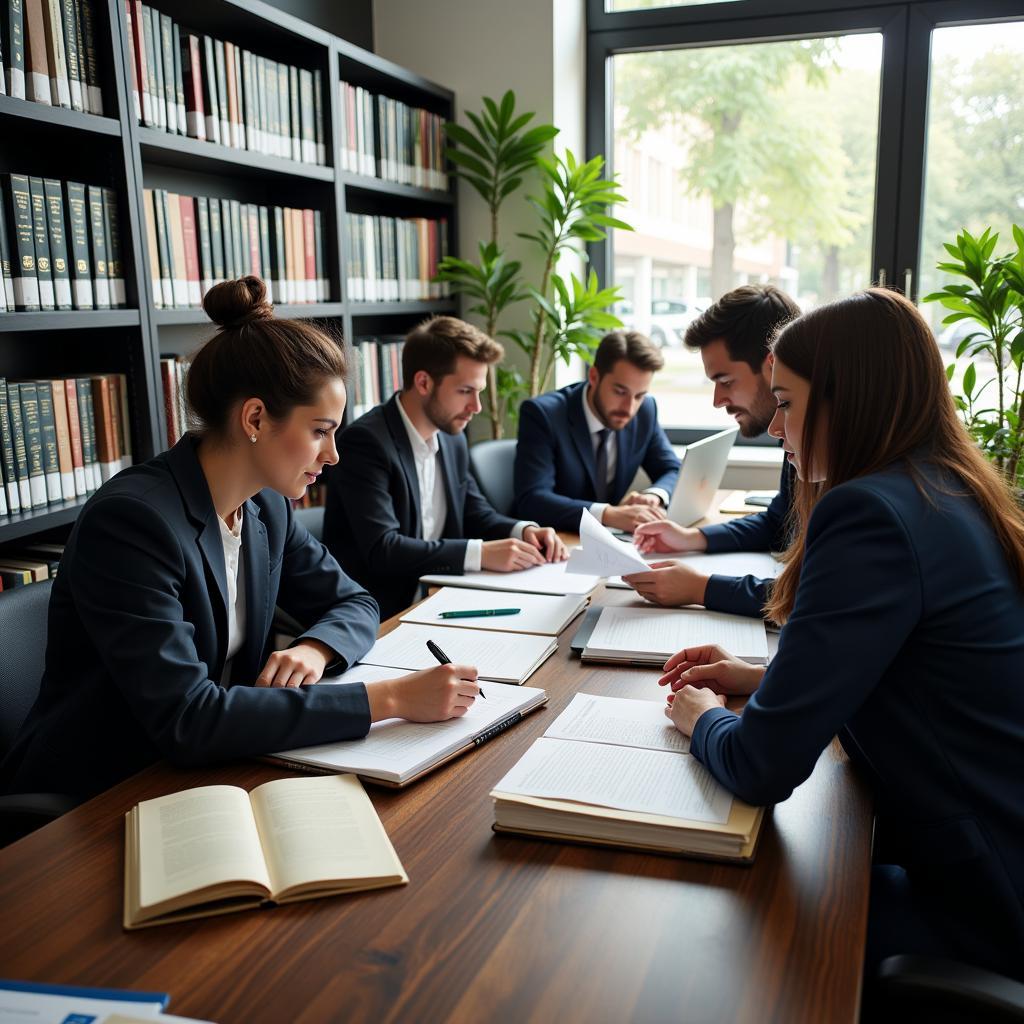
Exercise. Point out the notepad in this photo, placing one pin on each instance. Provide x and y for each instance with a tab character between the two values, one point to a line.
395	752
649	636
549	578
546	614
614	771
498	657
724	563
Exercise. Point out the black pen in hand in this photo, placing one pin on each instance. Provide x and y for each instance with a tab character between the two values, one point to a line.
445	660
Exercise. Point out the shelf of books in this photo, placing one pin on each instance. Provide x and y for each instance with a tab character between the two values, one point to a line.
162	148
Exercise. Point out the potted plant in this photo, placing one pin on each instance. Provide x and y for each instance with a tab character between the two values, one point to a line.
992	300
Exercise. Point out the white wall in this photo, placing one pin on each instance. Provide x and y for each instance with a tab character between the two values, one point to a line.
481	48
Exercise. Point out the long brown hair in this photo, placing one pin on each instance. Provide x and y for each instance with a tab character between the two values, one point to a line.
873	364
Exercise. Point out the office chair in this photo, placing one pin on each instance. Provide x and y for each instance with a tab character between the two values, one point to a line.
312	519
23	613
909	988
492	463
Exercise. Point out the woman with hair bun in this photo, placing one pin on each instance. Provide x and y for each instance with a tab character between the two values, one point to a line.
902	600
160	638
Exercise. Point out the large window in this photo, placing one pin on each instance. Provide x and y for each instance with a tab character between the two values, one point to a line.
818	150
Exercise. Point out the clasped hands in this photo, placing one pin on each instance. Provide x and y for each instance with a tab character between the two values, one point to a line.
700	678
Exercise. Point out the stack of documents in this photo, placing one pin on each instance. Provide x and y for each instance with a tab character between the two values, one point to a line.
550	578
34	1002
602	554
499	657
649	636
616	772
547	614
395	752
725	563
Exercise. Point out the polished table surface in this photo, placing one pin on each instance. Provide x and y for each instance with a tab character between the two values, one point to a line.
490	928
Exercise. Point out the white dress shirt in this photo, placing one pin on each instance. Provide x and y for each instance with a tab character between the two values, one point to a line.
235	572
433	500
595	426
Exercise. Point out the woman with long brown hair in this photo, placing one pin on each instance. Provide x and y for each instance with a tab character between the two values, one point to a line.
902	600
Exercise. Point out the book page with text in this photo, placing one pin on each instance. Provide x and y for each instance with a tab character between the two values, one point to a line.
623	721
546	614
197	838
321	830
645	781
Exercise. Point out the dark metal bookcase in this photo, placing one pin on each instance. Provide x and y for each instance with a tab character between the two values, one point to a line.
115	151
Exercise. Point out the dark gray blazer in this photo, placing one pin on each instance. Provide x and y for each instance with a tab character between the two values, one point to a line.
138	636
373	522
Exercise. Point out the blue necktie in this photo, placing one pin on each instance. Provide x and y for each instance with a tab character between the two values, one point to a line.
604	439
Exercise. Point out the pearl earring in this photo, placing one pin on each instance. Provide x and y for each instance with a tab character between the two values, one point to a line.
252	437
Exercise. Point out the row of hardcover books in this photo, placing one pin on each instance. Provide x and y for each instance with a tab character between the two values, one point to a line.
61	438
394	260
172	378
376	371
190	84
60	245
48	53
196	241
388	139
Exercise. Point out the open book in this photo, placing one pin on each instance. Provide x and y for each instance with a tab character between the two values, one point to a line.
616	772
216	849
546	614
650	636
395	752
498	657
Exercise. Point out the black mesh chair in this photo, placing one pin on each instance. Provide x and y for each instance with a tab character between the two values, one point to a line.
23	614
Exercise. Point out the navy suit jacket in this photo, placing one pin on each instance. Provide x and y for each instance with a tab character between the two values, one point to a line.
763	531
138	636
556	470
906	638
373	522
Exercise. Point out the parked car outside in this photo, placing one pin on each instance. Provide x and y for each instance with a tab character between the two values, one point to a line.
668	322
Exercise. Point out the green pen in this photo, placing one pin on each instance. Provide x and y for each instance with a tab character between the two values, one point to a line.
471	613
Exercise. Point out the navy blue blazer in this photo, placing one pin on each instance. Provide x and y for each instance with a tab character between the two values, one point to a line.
762	531
138	636
556	471
373	522
906	638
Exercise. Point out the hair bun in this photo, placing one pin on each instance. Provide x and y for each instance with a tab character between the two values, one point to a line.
236	303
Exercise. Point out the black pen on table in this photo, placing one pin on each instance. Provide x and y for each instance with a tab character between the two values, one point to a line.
445	660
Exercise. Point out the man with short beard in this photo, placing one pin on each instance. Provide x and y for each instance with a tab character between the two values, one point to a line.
401	503
732	337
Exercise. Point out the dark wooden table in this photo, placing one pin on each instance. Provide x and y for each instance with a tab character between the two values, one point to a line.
490	928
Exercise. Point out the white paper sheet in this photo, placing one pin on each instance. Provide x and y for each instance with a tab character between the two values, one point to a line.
600	554
725	563
549	578
497	656
647	781
622	721
661	632
546	614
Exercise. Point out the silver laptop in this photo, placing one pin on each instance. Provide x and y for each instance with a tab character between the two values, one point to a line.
701	473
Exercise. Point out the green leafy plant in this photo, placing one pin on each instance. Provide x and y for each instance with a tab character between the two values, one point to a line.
568	315
993	299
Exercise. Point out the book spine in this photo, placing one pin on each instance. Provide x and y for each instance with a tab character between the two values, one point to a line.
6	272
58	243
205	248
253	230
75	430
176	246
222	92
7	452
87	19
134	62
23	263
115	263
106	452
248	101
87	423
82	295
318	240
154	70
240	99
48	429
318	117
179	80
33	443
56	58
14	49
274	108
125	413
192	71
170	98
167	380
65	460
69	21
229	78
191	249
41	243
264	226
163	247
229	245
216	242
210	101
308	134
37	70
262	105
294	115
238	237
98	240
152	248
20	449
141	61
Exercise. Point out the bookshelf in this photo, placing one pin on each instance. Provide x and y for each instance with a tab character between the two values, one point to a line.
117	151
